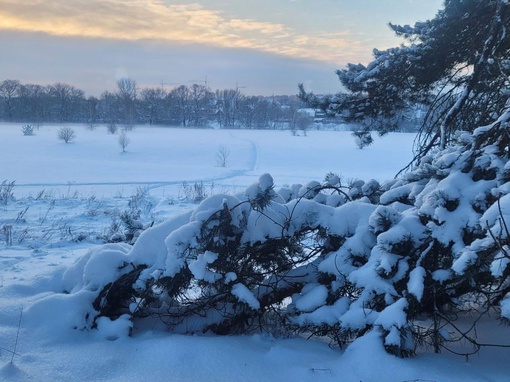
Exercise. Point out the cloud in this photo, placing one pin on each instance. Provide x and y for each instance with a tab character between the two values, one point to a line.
135	20
94	65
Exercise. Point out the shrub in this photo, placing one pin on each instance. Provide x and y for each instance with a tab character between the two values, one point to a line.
66	134
111	128
27	130
6	193
222	155
363	138
303	122
123	141
193	193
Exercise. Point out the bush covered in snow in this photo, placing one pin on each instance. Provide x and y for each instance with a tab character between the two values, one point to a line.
27	130
403	258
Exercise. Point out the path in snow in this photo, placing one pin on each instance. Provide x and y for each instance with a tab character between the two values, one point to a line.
160	159
240	165
254	159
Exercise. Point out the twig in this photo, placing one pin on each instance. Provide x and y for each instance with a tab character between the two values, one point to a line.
17	335
313	369
503	218
10	351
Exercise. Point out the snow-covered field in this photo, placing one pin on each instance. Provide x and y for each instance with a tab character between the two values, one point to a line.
68	199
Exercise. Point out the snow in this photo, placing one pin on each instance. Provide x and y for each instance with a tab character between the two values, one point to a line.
49	273
442	275
199	267
505	307
162	158
328	314
311	297
101	263
113	330
393	315
415	284
499	265
230	276
493	214
245	295
266	182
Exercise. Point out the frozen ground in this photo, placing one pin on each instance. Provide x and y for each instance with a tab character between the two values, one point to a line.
68	198
162	158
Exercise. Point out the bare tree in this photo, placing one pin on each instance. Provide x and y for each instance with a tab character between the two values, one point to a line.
65	100
8	91
126	94
33	103
201	104
127	88
193	105
253	111
92	112
111	127
226	103
303	121
222	155
109	108
153	105
66	134
123	140
180	102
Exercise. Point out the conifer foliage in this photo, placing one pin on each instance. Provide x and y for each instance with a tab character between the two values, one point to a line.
405	258
457	64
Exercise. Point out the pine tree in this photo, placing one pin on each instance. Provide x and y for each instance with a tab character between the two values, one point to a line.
403	259
457	64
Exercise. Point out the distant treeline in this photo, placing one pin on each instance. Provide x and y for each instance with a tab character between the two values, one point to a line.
194	105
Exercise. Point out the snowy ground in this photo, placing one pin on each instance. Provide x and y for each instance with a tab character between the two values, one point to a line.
67	200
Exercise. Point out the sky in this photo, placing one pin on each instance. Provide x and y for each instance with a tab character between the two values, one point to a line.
262	47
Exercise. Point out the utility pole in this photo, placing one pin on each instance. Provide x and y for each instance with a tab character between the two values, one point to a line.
163	83
202	81
240	87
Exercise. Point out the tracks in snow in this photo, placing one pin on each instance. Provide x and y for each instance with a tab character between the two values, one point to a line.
253	160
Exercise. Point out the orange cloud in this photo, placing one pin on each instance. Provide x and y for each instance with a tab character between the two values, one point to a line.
156	20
